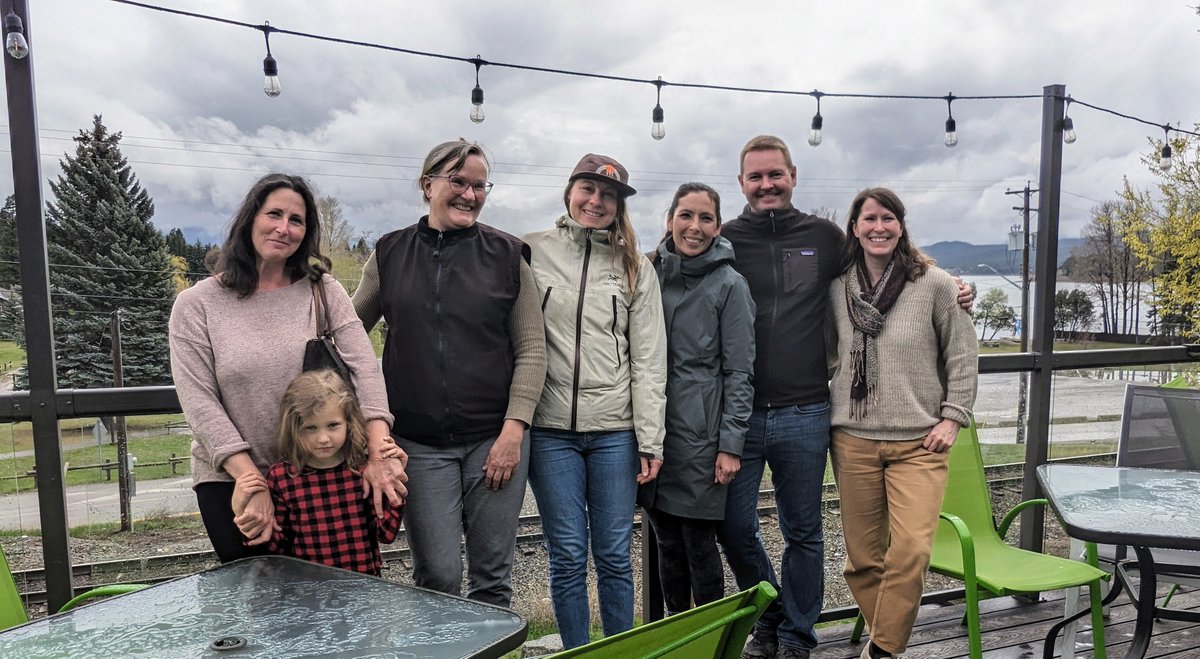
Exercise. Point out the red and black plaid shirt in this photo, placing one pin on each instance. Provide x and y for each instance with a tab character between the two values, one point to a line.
325	519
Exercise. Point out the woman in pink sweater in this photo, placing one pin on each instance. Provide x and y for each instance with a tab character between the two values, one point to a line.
238	339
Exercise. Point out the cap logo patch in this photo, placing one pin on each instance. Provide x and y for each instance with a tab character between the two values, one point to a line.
609	171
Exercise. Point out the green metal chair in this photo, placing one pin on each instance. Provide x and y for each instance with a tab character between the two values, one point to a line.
12	609
970	546
717	629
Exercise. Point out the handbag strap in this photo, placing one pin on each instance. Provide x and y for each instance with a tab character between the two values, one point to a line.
320	310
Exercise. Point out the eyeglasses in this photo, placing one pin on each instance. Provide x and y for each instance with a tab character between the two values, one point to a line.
459	184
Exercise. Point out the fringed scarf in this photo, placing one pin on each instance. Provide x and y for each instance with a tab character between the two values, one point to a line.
868	306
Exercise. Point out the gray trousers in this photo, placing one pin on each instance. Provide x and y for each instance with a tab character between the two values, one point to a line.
448	499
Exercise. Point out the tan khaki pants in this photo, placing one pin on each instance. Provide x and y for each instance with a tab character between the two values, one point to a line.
888	489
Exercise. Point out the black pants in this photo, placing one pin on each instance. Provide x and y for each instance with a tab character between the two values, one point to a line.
689	565
216	510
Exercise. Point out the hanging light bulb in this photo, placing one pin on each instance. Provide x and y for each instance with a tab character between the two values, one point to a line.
951	128
14	37
814	133
1068	126
477	95
657	129
271	86
1164	160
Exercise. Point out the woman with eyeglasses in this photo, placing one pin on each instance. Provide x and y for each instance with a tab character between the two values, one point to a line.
464	361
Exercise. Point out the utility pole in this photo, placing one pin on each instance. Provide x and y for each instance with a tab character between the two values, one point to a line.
1024	338
118	429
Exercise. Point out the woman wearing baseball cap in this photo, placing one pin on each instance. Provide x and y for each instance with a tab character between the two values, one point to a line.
598	431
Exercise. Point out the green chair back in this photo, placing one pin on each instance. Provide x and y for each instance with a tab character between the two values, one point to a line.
718	630
12	609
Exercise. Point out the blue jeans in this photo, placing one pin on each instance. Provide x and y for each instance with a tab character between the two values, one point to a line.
585	483
793	441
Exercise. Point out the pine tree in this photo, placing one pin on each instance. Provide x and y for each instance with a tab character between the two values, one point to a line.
106	255
10	268
12	320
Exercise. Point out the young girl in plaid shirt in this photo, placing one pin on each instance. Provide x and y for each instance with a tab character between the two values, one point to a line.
320	511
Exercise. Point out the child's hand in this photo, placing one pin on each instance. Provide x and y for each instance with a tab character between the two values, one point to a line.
258	522
248	484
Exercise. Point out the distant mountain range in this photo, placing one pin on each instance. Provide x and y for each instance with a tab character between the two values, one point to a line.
958	257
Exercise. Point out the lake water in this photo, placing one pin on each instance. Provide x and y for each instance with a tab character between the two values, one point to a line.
1013	291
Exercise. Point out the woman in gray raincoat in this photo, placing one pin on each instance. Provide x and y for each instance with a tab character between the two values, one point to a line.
710	363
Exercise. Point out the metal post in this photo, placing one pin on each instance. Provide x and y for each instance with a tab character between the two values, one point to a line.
1038	433
1023	390
123	470
652	595
35	299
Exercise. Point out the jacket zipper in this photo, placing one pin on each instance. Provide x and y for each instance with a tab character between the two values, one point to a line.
546	298
441	338
587	256
777	266
613	331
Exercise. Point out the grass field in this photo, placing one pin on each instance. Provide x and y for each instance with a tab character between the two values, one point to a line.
19	436
11	355
146	450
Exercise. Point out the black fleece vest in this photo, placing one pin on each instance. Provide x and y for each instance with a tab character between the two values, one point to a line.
448	359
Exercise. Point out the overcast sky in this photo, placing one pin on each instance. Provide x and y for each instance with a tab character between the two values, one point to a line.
187	94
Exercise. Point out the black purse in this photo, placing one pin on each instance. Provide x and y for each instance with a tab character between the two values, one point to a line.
321	352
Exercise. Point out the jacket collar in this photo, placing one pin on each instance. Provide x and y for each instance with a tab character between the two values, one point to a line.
450	236
770	220
580	234
719	252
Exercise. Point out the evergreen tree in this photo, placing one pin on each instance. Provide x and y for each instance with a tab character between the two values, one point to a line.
12	320
105	255
10	268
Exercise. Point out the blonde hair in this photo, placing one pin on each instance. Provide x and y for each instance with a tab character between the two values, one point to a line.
306	394
625	247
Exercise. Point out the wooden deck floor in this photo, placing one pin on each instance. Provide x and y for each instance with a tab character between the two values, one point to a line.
1013	629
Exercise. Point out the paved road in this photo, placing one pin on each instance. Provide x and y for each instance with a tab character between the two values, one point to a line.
99	503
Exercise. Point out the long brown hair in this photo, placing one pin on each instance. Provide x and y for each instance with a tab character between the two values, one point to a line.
304	396
625	248
909	258
238	262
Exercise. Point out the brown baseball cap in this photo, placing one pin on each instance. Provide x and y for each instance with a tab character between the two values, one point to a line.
603	168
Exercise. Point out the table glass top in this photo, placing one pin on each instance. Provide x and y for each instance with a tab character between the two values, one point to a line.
1150	507
281	607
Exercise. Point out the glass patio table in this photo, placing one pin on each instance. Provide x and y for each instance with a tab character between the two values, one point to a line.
1141	508
273	606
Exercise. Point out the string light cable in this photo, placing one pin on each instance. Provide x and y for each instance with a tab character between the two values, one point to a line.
950	137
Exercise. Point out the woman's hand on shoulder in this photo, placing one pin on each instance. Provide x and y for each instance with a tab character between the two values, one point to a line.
727	467
649	472
942	436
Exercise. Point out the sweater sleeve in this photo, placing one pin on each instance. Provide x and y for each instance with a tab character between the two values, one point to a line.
355	347
959	354
283	538
366	296
527	332
648	362
737	366
193	370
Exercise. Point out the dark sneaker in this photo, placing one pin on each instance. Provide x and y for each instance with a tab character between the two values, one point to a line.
762	644
791	652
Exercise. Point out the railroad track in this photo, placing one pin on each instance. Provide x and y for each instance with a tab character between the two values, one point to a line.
30	583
